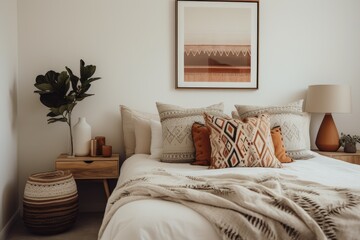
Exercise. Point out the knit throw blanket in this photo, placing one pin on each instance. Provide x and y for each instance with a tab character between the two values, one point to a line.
251	207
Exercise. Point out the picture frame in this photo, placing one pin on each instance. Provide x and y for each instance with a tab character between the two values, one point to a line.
217	44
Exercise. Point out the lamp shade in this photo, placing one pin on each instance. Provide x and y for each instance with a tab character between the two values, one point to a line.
328	99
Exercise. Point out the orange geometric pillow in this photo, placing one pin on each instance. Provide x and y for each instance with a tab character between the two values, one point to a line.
280	151
201	139
237	143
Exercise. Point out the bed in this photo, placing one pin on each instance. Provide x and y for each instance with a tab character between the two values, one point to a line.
163	216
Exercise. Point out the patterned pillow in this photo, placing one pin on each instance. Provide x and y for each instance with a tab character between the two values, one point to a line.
237	143
176	125
200	134
294	123
280	151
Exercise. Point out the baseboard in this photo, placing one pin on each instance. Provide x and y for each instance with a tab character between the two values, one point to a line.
4	232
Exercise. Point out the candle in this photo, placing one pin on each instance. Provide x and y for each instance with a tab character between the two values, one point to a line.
106	151
93	147
100	141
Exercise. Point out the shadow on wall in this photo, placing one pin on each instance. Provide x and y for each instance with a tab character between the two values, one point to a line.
9	202
13	109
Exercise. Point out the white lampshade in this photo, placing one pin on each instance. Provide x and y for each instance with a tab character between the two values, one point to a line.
328	99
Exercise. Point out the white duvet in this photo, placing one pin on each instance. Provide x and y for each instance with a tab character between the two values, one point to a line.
159	219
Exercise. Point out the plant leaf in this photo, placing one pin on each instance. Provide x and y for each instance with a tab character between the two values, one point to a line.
44	86
51	114
70	97
71	106
63	108
74	79
52	100
52	120
86	71
92	79
55	111
82	96
51	77
63	84
84	88
40	79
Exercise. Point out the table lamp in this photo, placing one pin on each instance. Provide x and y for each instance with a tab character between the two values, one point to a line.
328	99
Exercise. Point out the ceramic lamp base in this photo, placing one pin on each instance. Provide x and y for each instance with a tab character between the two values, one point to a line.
328	137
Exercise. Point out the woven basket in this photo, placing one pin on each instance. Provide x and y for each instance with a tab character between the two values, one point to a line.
50	202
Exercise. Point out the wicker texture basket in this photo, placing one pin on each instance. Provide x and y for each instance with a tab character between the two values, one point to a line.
50	202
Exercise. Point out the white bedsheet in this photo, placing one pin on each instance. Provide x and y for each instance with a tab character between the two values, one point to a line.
158	219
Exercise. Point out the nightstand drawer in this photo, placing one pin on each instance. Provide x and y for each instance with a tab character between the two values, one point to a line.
90	169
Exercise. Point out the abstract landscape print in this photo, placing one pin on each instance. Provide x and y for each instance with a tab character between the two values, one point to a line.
217	44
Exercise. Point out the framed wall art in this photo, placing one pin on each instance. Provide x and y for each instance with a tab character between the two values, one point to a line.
217	44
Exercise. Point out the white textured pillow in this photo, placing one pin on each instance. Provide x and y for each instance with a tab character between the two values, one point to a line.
294	123
128	126
156	148
176	125
142	135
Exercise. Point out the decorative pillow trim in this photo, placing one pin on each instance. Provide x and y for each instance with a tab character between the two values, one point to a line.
182	157
300	154
189	113
249	111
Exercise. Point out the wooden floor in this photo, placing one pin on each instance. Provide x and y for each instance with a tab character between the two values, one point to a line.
85	228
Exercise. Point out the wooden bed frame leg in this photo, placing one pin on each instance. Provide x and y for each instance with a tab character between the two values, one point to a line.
106	188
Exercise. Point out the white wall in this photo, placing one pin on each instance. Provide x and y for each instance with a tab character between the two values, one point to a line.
132	43
8	121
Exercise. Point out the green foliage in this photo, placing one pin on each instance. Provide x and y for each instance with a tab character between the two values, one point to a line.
347	138
60	92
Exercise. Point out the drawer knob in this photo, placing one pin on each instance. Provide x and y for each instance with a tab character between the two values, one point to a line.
88	161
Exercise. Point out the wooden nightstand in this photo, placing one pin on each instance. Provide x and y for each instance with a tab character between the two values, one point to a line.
91	168
347	157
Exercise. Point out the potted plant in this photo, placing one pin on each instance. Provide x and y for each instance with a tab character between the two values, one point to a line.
349	142
61	92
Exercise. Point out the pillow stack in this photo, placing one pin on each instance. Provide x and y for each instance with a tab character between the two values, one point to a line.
255	137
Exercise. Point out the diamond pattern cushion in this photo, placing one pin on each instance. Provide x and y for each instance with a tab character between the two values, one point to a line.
176	122
237	143
280	151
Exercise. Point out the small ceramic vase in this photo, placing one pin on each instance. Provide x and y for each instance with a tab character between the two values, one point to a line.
82	137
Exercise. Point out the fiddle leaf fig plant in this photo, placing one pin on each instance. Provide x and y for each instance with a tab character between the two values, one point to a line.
61	92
